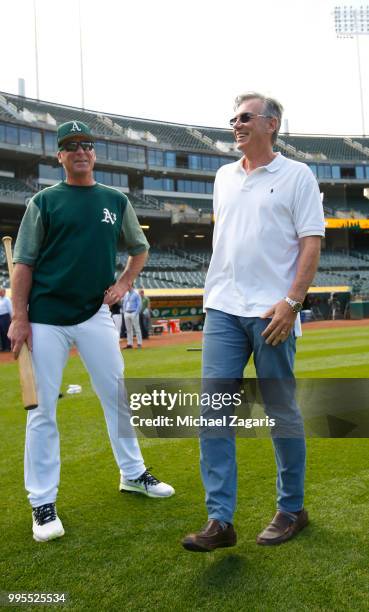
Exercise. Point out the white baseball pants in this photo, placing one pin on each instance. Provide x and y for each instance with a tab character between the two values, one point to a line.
97	342
117	318
132	322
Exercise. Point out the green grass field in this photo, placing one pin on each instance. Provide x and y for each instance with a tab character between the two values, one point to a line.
122	552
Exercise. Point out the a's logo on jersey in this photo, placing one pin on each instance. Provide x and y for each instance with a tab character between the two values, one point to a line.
75	127
109	217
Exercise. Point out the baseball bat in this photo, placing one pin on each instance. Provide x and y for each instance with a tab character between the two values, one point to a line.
27	379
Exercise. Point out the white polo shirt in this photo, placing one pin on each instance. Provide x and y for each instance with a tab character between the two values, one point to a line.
259	218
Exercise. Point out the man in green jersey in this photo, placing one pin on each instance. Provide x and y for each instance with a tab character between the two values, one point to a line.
62	288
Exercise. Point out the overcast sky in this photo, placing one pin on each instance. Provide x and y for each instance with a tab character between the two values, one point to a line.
186	61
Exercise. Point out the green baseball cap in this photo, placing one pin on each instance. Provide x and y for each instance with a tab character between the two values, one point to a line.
71	129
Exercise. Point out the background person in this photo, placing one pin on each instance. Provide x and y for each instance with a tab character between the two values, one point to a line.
334	307
5	319
131	310
145	315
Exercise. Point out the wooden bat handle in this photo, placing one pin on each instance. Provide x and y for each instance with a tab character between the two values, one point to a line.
7	241
27	379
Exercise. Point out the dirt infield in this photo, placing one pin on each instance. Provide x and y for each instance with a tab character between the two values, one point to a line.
154	341
170	339
332	324
196	337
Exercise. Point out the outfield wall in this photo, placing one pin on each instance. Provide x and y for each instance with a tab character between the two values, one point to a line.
187	304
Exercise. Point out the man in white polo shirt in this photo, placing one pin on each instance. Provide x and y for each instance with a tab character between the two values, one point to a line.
268	227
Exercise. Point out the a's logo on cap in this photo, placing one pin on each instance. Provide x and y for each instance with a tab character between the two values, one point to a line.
75	127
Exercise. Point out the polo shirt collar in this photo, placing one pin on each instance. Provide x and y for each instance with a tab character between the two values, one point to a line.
273	166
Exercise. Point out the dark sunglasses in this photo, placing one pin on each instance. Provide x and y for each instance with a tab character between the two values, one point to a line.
73	146
245	118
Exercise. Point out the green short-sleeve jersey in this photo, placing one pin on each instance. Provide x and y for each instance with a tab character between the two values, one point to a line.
69	234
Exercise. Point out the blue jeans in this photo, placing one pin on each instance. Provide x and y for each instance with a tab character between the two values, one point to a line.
228	343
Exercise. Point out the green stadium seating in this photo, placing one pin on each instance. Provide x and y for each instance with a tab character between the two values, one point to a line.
140	201
15	186
160	260
165	133
152	280
205	204
337	261
333	148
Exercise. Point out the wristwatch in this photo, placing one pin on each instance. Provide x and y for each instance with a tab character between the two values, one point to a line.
296	306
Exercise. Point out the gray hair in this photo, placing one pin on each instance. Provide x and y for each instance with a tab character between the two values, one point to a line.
272	108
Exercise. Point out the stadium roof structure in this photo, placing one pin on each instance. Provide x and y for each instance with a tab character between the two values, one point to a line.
176	136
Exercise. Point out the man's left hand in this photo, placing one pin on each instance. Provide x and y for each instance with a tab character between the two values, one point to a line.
115	292
283	321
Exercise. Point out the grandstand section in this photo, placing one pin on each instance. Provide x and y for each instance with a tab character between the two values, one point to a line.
167	170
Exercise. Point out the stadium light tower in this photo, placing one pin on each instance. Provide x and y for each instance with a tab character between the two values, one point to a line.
81	55
351	22
36	49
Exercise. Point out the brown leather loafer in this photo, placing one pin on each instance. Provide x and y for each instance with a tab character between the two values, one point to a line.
211	537
282	528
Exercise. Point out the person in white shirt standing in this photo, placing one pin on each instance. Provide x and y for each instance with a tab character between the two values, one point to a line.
131	310
5	319
268	227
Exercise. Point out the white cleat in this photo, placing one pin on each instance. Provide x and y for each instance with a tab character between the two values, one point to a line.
146	484
46	523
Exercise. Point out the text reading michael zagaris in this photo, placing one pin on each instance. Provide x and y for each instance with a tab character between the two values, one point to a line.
200	421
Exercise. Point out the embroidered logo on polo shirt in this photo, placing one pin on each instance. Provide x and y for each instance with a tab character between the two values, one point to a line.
109	217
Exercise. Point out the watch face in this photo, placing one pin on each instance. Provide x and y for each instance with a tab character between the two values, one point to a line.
297	307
